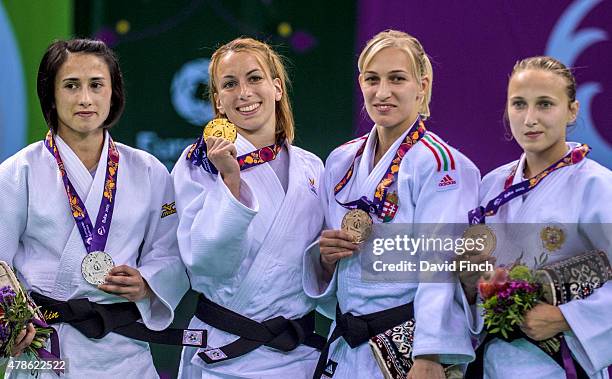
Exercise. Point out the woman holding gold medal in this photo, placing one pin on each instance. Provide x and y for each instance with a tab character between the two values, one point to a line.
399	173
83	223
553	202
248	204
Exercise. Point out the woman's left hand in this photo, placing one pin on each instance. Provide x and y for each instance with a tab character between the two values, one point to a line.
426	368
126	282
544	321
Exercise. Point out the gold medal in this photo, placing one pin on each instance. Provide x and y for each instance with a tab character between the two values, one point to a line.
220	128
483	236
358	224
552	237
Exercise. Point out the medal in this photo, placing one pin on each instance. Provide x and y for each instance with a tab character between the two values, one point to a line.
220	128
95	267
96	263
358	224
485	235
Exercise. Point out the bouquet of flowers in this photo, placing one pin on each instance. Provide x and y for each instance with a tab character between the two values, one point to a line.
16	311
507	296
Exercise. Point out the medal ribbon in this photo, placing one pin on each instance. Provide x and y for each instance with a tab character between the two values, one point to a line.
375	206
478	215
198	157
94	239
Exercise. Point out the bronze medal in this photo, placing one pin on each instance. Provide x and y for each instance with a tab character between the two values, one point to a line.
484	233
358	224
220	128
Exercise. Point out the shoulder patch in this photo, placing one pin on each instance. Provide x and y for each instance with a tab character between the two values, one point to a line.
442	154
168	209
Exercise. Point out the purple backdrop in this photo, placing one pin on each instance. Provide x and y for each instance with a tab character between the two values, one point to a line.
473	49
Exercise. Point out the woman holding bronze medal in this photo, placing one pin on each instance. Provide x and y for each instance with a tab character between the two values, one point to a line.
248	204
83	223
554	206
399	173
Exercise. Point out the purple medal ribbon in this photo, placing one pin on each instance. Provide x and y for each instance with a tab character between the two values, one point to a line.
93	238
197	155
376	206
55	347
478	215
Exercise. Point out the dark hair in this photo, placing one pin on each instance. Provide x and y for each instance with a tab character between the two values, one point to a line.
56	55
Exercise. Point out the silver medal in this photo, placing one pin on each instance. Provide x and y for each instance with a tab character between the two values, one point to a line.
95	266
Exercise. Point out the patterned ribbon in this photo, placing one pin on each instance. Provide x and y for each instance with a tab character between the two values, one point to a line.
478	215
94	241
381	195
197	155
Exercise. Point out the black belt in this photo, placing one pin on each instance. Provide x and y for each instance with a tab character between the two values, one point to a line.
278	333
357	330
475	369
95	320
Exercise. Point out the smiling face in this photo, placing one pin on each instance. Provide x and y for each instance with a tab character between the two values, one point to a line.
539	111
391	93
82	94
247	94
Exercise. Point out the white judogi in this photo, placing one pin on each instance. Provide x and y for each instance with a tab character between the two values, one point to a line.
38	236
441	325
247	255
577	199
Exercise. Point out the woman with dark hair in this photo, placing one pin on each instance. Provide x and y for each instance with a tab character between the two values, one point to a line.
89	224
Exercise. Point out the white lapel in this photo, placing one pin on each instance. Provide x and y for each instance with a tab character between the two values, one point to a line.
262	176
367	177
89	189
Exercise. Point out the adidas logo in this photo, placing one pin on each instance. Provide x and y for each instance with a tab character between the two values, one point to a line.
446	181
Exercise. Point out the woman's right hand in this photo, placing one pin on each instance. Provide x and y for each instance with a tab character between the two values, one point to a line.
222	154
23	340
334	245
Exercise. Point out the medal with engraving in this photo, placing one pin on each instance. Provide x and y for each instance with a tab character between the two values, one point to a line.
220	128
96	263
95	266
385	204
358	224
483	234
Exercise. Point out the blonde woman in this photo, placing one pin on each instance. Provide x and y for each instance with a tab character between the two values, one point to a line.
402	166
245	223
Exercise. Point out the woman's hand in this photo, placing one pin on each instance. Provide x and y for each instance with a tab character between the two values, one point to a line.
426	367
126	282
222	154
544	321
23	340
334	245
469	279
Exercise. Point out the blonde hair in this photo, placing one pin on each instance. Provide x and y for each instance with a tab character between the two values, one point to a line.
419	61
271	62
550	64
